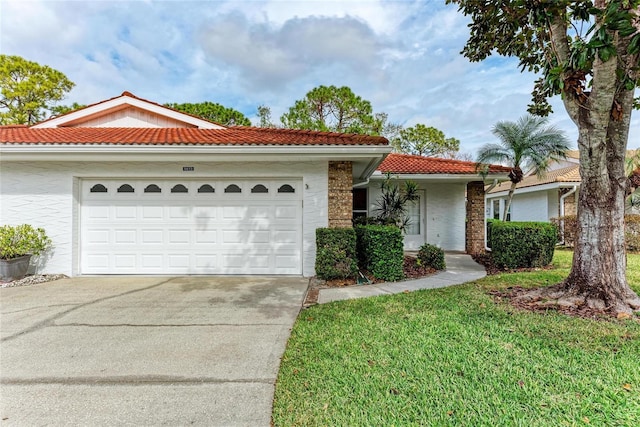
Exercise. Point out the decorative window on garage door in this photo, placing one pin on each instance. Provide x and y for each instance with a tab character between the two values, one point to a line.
206	188
259	188
152	188
233	188
98	188
125	188
286	188
179	188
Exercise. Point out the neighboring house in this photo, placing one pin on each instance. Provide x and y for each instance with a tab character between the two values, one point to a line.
540	199
128	186
450	192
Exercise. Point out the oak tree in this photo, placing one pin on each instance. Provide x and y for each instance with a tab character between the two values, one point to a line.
587	52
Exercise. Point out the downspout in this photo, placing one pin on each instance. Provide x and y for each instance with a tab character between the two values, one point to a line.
491	187
564	196
361	184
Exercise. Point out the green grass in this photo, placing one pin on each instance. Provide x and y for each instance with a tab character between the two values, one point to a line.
455	357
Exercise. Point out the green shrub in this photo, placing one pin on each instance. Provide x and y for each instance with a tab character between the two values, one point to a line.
489	222
19	240
380	251
431	256
570	222
336	253
632	232
522	244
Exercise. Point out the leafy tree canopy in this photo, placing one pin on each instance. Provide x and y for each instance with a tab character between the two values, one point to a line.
587	51
333	109
213	112
59	110
528	144
29	90
425	141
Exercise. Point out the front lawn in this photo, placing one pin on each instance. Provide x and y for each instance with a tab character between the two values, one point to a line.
454	356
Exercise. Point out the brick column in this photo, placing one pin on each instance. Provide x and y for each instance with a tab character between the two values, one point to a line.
475	218
570	207
340	198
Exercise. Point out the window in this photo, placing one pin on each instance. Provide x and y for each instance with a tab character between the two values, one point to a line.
496	209
152	188
286	188
125	188
259	189
179	188
206	188
232	188
98	188
359	202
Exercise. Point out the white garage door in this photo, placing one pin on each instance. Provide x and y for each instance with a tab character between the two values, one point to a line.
191	227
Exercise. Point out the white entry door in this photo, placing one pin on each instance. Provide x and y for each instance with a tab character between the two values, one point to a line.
415	232
191	227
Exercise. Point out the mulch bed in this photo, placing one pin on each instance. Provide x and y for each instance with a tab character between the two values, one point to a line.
411	271
513	296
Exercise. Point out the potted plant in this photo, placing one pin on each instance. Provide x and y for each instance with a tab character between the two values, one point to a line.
17	245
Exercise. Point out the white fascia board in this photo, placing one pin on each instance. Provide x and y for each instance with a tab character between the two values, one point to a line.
441	177
533	189
101	152
122	101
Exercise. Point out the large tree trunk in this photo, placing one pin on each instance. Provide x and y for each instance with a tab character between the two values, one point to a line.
598	274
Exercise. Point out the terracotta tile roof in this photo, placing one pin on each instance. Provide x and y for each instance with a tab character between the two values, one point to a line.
180	136
568	174
411	164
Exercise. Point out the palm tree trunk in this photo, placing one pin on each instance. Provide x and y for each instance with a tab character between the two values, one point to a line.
507	204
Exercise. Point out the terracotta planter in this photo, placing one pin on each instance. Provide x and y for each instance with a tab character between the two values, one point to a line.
14	268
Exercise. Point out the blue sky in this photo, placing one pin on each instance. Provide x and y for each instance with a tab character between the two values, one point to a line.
403	56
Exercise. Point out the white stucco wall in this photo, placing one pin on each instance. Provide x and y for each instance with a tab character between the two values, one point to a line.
45	194
445	214
530	207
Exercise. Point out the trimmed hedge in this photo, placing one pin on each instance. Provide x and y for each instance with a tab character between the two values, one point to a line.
631	232
336	253
522	244
380	251
489	222
431	256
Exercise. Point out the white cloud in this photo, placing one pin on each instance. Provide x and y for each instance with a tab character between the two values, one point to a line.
403	56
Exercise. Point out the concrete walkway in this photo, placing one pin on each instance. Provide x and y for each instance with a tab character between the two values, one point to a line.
461	268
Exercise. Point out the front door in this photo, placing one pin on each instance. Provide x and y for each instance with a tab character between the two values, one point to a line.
415	235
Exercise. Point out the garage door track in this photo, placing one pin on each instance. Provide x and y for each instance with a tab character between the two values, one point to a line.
144	350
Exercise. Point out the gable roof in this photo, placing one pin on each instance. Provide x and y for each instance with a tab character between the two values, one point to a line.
570	174
126	100
420	165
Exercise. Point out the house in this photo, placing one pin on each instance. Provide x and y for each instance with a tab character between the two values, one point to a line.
128	186
451	192
540	199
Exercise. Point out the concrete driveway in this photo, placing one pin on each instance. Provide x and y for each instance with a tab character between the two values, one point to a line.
144	350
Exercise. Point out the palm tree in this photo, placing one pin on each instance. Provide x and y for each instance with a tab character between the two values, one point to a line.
528	144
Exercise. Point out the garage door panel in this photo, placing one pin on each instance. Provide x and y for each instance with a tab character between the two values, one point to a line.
191	233
152	237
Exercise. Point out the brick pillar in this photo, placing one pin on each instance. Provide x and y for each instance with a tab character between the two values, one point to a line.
340	198
475	218
570	207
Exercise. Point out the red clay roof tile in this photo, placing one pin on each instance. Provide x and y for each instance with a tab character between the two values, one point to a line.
411	164
180	136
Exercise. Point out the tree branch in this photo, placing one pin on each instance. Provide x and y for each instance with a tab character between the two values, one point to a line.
560	46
